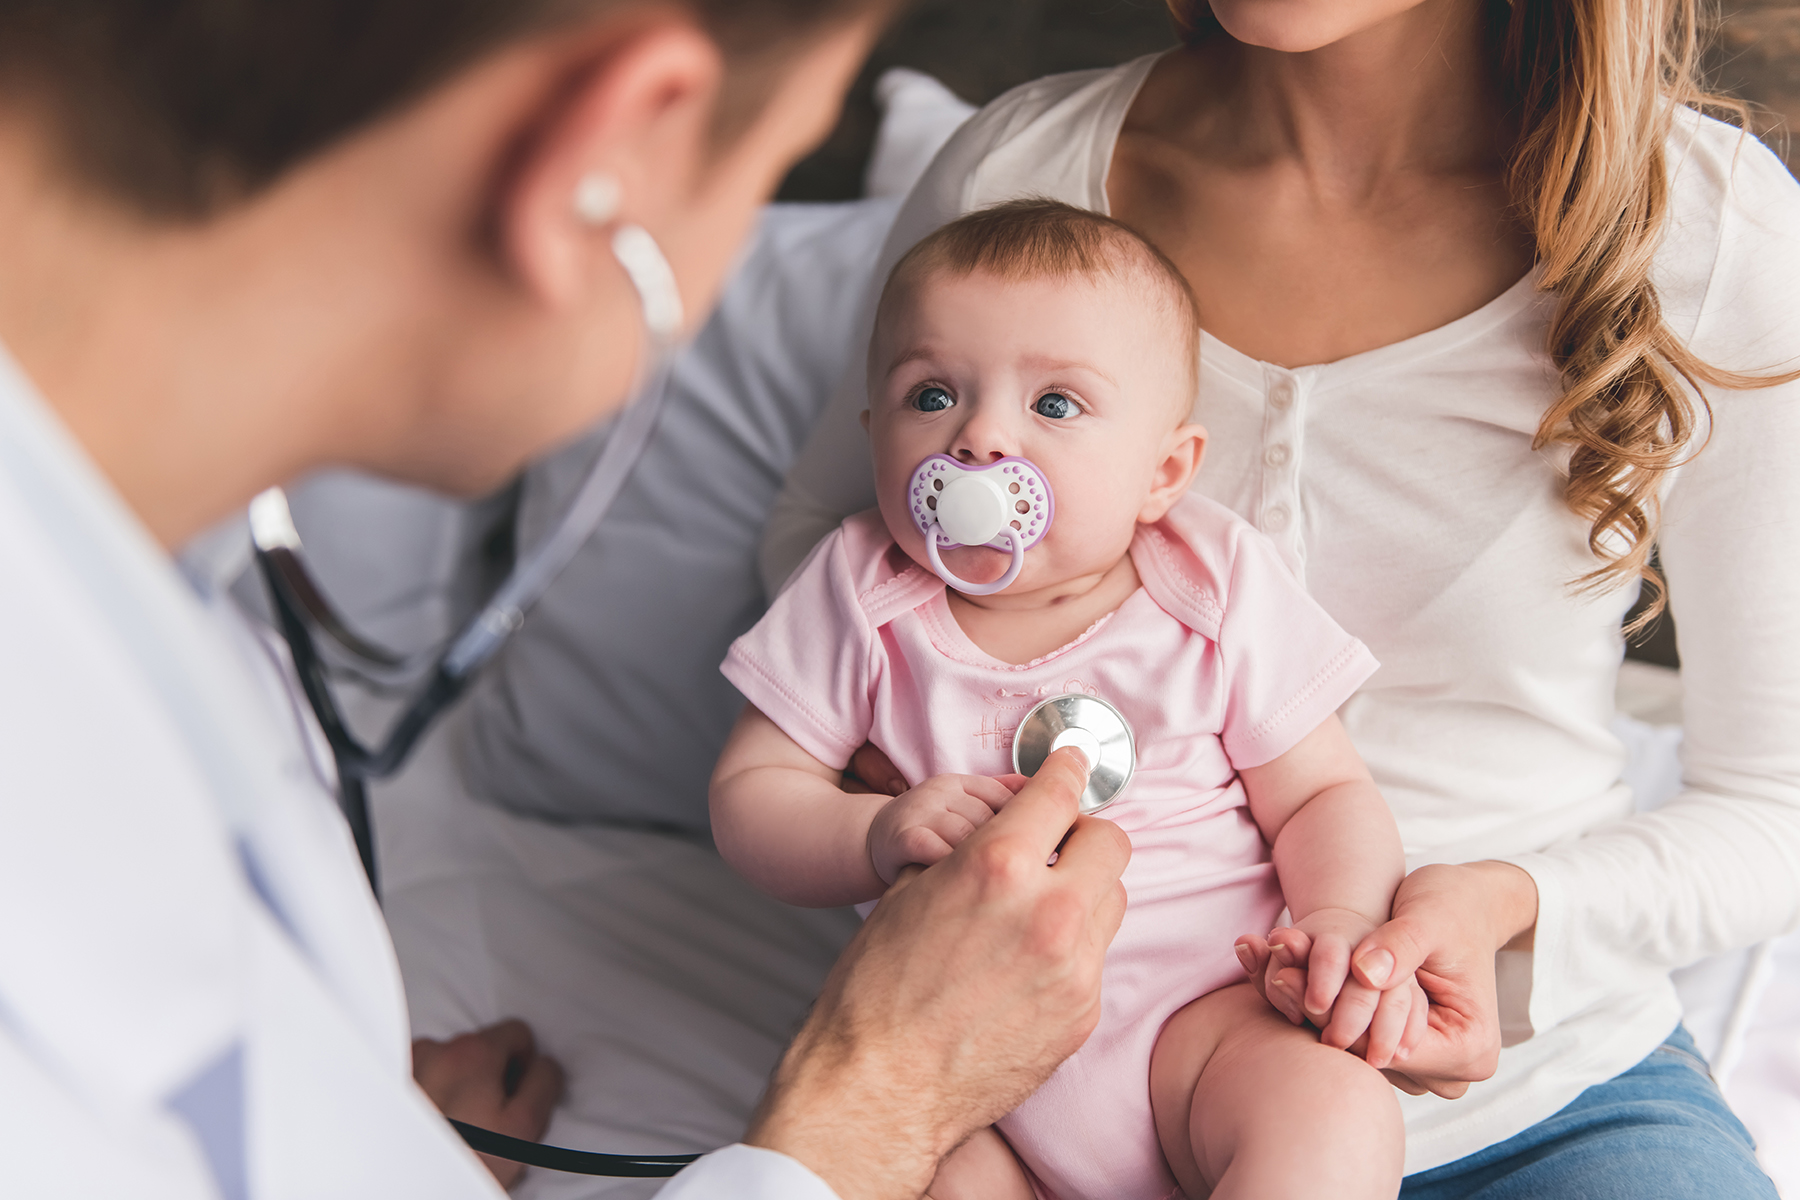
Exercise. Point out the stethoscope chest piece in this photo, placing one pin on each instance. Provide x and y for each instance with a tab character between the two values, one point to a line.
1093	725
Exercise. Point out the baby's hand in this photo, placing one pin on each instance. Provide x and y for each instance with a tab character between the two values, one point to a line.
925	823
1305	973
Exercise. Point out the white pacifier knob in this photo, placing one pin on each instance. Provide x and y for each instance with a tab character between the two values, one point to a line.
1005	505
972	509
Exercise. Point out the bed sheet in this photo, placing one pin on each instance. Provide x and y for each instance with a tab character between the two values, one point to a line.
665	985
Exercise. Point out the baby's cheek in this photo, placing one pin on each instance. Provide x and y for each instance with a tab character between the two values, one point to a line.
1096	512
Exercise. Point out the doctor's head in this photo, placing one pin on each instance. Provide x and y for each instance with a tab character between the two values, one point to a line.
1040	331
376	232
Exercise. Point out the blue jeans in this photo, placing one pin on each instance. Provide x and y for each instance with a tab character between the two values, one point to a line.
1658	1132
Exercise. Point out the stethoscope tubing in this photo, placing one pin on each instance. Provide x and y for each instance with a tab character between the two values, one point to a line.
300	606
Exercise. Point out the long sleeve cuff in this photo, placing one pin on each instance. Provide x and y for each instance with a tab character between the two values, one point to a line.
743	1172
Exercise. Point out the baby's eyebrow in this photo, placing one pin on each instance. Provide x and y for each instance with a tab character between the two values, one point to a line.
916	354
1057	366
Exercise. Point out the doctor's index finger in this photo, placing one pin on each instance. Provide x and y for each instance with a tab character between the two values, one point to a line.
1043	810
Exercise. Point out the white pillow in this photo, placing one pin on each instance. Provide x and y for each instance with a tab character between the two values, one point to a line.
918	116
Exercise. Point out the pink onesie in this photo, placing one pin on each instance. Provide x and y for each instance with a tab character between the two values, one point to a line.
1220	661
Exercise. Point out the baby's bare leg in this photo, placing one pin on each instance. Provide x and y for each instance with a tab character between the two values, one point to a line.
982	1168
1249	1105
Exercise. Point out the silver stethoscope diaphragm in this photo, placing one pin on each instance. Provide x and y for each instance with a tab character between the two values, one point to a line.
1090	723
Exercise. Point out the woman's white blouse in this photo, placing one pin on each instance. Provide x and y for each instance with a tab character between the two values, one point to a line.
1402	487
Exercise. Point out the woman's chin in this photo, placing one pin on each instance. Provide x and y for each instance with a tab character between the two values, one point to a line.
1300	26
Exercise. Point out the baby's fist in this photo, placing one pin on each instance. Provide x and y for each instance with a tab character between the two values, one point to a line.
925	823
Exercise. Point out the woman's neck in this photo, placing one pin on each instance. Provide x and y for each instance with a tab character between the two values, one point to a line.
1326	202
1019	628
1412	93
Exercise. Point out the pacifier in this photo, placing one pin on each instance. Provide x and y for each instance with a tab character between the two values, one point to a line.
1005	505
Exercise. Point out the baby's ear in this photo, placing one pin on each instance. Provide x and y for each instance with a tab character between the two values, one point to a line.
1174	474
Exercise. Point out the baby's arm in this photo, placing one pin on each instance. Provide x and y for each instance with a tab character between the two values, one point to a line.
1337	853
781	818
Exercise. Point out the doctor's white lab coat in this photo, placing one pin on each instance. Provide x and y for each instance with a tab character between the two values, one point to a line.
198	997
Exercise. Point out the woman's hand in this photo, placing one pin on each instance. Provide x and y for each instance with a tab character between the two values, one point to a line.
1448	923
963	991
1304	973
872	771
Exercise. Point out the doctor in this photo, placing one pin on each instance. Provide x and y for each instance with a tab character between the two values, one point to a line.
242	239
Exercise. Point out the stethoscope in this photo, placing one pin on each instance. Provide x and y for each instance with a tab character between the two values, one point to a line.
302	612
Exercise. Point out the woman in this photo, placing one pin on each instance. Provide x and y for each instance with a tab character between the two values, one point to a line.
1462	264
245	240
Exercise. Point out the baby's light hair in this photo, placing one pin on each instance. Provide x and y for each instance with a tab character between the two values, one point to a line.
1037	238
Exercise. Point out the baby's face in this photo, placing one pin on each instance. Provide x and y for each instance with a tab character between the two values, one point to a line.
1084	377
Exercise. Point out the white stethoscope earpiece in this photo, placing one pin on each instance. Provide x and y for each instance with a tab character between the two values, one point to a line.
597	197
597	200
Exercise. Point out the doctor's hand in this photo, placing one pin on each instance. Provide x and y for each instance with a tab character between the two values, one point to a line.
963	991
922	825
493	1078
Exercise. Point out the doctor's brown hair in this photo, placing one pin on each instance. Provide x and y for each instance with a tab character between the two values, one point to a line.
1596	87
180	108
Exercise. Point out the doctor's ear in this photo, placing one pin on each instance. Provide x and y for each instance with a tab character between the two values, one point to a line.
1182	452
624	138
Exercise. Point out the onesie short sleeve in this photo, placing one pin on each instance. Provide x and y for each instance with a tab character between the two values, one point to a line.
808	664
1287	664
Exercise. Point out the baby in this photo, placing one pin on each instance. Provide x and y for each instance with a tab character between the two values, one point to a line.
1040	334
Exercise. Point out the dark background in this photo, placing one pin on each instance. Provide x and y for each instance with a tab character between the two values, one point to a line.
980	48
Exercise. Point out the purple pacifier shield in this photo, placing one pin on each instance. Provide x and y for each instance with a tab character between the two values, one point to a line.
1032	501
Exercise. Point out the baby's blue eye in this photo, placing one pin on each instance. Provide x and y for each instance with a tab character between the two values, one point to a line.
932	399
1054	405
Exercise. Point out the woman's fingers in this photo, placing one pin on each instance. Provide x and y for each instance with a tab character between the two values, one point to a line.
1444	930
1327	966
876	771
1350	1016
1405	1082
1416	1013
1387	1024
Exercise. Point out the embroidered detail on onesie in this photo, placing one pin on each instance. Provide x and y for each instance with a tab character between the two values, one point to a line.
996	732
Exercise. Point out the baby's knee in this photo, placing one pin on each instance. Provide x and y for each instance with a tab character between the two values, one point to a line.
1356	1095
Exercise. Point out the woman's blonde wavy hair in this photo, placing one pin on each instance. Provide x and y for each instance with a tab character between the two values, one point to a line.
1596	86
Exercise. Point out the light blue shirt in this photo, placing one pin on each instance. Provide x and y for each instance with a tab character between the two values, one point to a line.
197	994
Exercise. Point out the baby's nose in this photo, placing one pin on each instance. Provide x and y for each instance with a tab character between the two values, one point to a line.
976	459
983	439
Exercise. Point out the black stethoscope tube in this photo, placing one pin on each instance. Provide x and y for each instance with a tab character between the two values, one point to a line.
356	765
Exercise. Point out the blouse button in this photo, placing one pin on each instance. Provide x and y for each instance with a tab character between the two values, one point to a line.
1277	455
1281	396
1276	518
